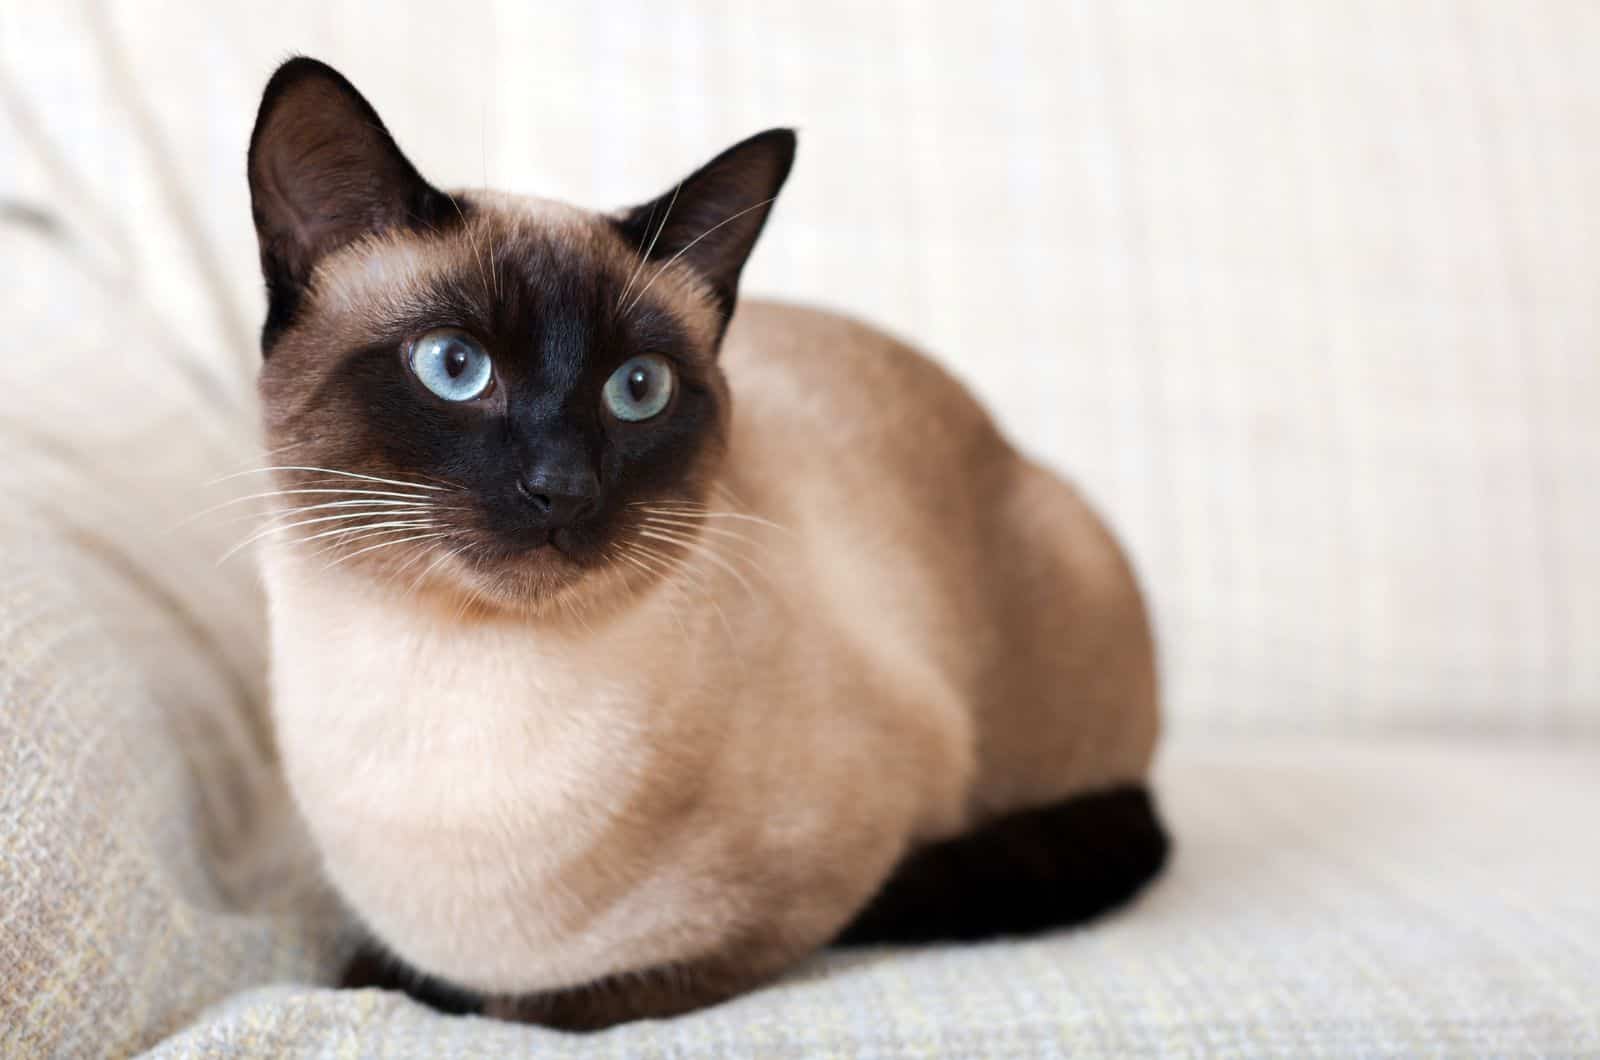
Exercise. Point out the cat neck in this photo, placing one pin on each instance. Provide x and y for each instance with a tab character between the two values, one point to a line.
696	598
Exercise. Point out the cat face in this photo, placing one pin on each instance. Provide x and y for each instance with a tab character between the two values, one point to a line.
490	391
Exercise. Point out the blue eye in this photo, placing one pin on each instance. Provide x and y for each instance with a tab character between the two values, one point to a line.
639	389
451	364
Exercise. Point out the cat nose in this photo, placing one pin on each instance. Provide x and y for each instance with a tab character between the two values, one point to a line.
559	500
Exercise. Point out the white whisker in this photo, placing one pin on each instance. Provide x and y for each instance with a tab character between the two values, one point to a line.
386	544
372	507
346	536
684	508
701	528
326	471
394	576
703	550
651	248
689	246
401	524
684	537
280	527
365	510
443	557
472	239
673	567
473	594
626	555
268	494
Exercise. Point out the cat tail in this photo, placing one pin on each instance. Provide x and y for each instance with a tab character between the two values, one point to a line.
1021	873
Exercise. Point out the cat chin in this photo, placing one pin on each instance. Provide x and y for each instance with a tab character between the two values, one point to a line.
533	582
476	572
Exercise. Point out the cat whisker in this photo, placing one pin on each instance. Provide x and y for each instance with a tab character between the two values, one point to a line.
638	265
674	566
702	550
313	490
627	557
690	246
681	605
682	531
444	484
727	493
612	556
567	604
385	544
483	156
701	528
356	531
443	557
264	532
472	238
473	594
325	471
383	498
687	534
355	535
417	557
277	525
659	562
363	508
368	507
281	527
651	248
394	575
703	513
643	558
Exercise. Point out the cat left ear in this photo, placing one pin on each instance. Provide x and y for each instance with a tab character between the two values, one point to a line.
323	173
711	220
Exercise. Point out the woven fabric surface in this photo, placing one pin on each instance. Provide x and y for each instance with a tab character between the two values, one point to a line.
1325	902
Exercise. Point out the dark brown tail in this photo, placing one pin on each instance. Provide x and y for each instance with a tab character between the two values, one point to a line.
1022	873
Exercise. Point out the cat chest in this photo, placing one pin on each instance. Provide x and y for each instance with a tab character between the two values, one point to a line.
483	817
416	729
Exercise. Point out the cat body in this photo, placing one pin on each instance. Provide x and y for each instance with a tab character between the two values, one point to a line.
807	651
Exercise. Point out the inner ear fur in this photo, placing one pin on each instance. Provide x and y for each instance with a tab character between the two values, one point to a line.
712	218
324	172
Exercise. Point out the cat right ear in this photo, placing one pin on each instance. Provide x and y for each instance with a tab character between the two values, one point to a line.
323	173
712	219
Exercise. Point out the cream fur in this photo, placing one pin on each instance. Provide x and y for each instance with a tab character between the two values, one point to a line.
940	632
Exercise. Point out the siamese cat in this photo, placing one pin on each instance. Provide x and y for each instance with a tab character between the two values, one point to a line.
630	641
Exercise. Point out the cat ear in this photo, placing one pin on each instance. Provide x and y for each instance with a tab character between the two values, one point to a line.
710	221
323	173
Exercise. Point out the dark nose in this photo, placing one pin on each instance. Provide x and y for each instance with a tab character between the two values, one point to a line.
559	500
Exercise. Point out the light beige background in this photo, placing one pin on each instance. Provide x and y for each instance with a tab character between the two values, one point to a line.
1304	294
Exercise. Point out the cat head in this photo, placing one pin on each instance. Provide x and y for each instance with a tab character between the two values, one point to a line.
497	393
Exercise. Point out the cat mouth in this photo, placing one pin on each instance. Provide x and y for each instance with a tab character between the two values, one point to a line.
537	543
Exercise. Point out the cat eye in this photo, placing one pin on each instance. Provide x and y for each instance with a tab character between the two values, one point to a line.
639	389
451	364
